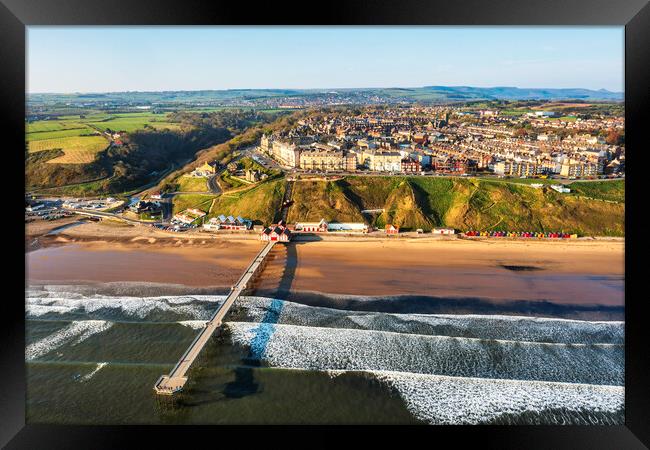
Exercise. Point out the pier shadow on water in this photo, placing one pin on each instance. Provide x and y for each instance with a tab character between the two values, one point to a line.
244	383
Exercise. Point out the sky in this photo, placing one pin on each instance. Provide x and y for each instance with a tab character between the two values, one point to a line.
115	59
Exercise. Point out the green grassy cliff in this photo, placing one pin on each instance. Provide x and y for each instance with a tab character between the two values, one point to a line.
592	209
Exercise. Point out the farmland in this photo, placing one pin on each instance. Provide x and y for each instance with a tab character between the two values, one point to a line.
120	122
129	122
80	138
77	149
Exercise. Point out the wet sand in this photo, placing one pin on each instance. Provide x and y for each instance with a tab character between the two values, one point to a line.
219	265
577	273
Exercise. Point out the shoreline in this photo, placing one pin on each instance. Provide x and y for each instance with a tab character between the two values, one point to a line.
54	233
487	275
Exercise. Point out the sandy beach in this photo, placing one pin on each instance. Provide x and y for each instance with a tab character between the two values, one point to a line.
575	272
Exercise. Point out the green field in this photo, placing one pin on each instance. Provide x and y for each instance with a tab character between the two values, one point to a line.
129	122
52	125
259	203
188	183
182	202
613	190
70	132
610	190
77	149
227	182
80	138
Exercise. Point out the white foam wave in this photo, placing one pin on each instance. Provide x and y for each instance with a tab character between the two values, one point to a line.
193	324
444	400
74	333
199	307
467	325
88	376
318	348
136	307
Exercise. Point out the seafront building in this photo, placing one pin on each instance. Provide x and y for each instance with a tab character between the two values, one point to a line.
189	216
335	156
222	222
277	232
329	227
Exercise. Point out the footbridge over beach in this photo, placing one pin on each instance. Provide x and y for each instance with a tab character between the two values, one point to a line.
174	382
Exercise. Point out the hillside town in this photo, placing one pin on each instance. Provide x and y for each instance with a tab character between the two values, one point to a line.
550	142
453	140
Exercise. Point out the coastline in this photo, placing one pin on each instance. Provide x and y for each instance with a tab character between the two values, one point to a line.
330	318
115	231
530	277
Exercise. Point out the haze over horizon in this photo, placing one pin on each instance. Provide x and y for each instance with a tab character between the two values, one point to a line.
314	89
157	59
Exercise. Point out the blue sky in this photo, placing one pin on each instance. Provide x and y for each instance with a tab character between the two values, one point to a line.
109	59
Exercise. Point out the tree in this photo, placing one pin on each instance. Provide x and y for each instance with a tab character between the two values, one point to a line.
614	138
521	132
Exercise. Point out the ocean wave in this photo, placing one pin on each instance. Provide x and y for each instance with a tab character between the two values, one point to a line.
444	400
91	374
319	348
458	304
198	307
447	368
74	333
123	289
193	324
460	325
61	304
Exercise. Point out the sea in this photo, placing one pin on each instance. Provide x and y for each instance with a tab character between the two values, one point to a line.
94	352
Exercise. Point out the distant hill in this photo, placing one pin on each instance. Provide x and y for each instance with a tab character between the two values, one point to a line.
249	97
515	93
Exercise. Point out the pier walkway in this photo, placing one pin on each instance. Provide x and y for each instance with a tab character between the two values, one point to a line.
174	382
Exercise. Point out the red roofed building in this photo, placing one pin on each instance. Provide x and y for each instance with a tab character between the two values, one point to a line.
319	227
410	165
277	232
391	229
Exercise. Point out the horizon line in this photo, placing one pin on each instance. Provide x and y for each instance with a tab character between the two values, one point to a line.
320	89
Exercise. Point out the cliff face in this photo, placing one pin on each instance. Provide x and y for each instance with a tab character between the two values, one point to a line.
427	202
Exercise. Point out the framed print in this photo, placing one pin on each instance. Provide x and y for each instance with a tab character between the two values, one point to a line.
414	214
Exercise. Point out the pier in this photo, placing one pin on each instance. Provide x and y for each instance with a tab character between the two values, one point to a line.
174	382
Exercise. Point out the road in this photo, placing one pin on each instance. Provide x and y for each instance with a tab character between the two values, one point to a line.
85	212
437	175
263	159
213	184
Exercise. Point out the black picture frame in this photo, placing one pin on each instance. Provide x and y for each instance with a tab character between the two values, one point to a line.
15	15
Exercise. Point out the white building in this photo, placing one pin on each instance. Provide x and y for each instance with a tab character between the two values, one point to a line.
382	161
222	222
443	230
348	227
